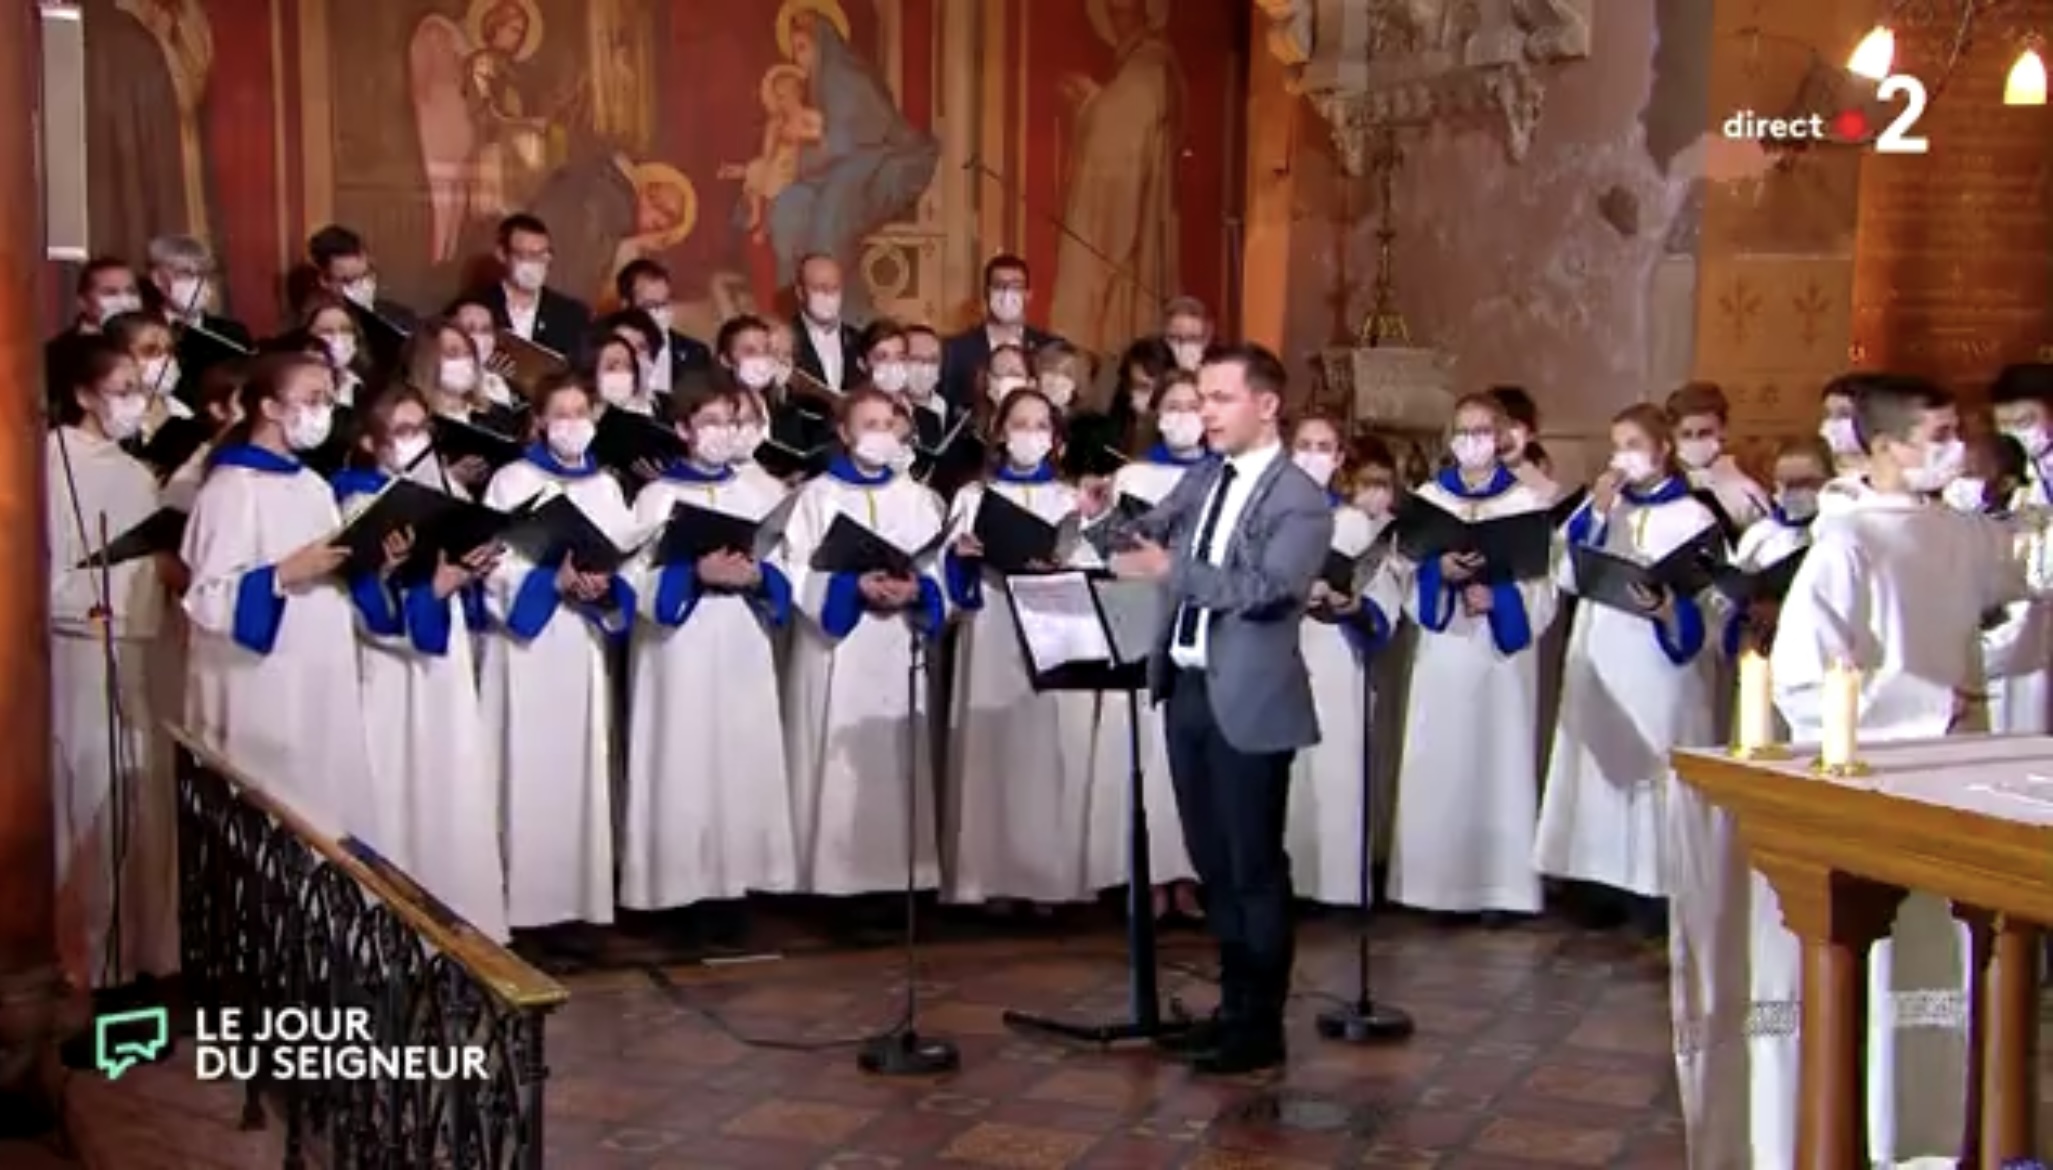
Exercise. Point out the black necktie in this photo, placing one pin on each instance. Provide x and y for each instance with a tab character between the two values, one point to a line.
1187	618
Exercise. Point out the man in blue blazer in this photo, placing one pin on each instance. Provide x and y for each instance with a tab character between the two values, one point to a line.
1007	289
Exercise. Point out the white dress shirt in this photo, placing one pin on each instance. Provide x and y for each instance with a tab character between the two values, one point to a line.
1248	467
520	319
827	344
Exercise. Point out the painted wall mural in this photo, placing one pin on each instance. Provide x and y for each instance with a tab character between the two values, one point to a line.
911	139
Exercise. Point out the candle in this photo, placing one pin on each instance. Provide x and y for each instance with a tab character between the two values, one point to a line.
1840	715
1755	718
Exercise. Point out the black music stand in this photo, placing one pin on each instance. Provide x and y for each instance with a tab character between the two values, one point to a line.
1125	671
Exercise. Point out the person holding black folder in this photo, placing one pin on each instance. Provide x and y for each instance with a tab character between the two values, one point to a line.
1177	447
107	641
441	361
272	671
1352	611
557	602
1018	764
506	408
327	321
1639	681
1803	466
1468	789
708	817
860	544
170	429
218	406
437	791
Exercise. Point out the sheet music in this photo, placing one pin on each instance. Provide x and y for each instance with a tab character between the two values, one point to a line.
1133	613
1058	620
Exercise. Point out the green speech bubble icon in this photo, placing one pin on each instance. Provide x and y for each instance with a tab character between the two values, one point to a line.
126	1039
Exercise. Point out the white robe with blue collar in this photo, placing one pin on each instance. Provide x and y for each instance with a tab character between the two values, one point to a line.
845	693
273	678
549	707
436	798
1018	762
708	794
1634	689
1468	790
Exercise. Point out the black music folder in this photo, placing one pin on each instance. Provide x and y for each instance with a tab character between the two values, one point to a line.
1109	531
1086	631
384	338
1611	579
693	532
162	531
1770	583
200	347
1512	548
522	362
172	444
456	441
460	529
853	548
556	530
401	505
625	440
785	461
1346	575
1728	529
1014	539
953	459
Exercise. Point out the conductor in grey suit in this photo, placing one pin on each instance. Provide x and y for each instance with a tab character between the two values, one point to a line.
1237	546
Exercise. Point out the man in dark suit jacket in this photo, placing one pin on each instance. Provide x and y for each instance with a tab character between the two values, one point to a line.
824	348
182	287
645	285
106	289
1007	289
1237	547
522	302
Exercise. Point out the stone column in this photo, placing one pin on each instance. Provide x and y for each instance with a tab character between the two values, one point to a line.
1954	250
28	976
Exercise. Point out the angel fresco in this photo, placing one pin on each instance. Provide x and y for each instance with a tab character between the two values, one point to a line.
484	146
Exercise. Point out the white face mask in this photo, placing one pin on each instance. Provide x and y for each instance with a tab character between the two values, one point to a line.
823	308
1473	452
1798	504
110	307
2033	439
747	437
408	450
616	387
1028	448
1059	388
1635	466
1965	494
1320	465
363	292
308	427
1182	430
341	349
877	449
485	343
1189	354
921	378
756	372
188	295
663	315
122	417
459	375
160	376
1007	306
713	444
1840	435
1375	501
1942	465
1002	387
890	377
1698	453
529	275
570	438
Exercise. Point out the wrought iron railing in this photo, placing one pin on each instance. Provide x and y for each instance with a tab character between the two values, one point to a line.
275	915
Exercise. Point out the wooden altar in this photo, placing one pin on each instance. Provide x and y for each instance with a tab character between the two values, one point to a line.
1958	818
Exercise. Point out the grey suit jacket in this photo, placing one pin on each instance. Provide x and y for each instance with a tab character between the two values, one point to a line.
1255	673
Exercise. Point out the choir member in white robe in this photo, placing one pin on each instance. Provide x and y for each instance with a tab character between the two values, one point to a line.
548	697
116	815
474	317
437	791
1896	585
708	795
1347	630
1468	790
1637	684
1698	413
2017	641
848	729
1017	770
273	680
1803	468
1179	446
1836	426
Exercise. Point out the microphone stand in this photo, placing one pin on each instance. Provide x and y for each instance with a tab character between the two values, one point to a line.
1365	1021
902	1051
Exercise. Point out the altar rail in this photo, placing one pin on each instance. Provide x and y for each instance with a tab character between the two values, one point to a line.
274	915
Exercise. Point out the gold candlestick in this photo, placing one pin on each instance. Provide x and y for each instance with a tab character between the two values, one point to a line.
1839	722
1754	712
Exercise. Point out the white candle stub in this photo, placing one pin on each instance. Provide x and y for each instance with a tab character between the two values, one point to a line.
1755	717
1840	715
